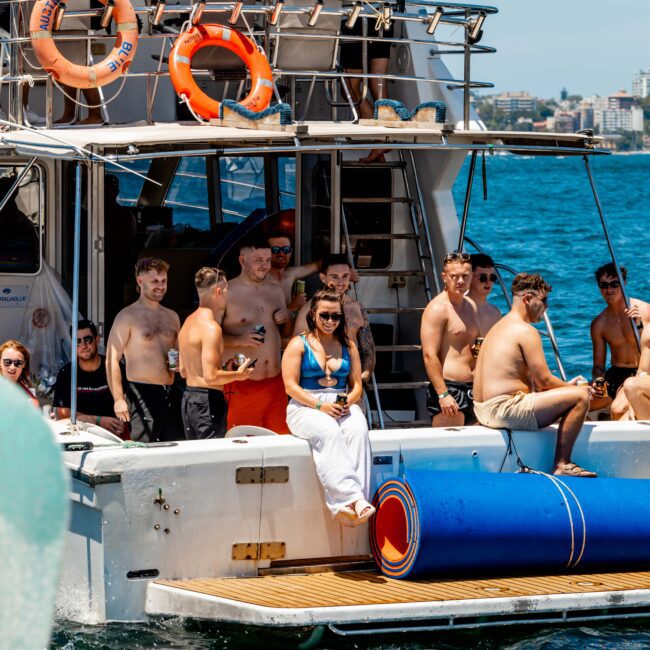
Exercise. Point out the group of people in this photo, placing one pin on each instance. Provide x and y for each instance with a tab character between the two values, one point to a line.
492	370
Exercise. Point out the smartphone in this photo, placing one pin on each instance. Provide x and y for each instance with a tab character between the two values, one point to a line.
252	363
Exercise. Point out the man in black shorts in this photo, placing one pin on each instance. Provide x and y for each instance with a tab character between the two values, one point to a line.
448	331
351	59
94	399
200	344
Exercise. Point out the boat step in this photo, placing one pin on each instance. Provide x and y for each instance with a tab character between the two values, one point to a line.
362	602
402	385
385	273
394	310
355	164
394	235
398	348
319	565
377	199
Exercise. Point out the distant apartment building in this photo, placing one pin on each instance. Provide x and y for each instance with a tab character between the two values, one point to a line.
519	102
613	114
641	84
621	119
563	122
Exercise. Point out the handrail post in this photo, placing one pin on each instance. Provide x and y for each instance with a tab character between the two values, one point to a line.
612	254
468	195
467	53
75	293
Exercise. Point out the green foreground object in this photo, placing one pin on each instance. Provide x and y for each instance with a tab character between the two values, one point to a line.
33	520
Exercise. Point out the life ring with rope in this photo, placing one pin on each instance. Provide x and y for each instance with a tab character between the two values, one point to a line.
73	74
191	41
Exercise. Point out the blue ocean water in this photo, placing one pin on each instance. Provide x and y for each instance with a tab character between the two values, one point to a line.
540	216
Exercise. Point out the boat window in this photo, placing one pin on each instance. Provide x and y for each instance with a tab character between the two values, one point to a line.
287	183
242	186
188	196
21	221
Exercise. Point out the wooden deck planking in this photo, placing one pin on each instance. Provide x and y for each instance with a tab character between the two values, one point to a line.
352	588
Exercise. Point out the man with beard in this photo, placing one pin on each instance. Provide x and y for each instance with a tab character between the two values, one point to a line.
612	328
94	401
513	386
336	274
448	331
200	346
143	333
254	313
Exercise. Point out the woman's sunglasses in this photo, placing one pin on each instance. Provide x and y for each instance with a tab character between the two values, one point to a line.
484	277
86	340
614	284
276	250
19	363
325	316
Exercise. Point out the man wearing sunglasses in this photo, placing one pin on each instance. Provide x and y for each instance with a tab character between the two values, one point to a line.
483	278
94	399
612	329
513	386
448	331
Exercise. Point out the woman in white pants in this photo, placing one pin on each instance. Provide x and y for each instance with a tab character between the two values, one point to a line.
318	367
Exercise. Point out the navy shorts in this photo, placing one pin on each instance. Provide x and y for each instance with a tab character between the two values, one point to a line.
462	392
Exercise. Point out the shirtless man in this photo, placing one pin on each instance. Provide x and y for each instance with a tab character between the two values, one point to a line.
612	328
637	388
200	347
448	331
143	333
254	300
513	386
336	273
281	252
483	278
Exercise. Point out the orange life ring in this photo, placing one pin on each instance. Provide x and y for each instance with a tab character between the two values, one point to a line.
82	76
187	45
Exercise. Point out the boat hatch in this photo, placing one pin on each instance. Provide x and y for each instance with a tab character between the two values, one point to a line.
363	602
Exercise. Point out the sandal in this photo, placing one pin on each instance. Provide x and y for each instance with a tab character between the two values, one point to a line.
364	510
571	469
346	515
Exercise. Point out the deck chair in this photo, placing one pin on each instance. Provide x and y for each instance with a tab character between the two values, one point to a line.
292	51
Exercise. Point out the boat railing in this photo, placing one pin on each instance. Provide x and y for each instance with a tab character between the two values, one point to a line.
549	332
264	23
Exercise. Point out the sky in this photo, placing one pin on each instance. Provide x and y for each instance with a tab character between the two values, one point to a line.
591	47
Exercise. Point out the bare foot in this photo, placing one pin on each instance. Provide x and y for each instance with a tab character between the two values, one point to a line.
92	118
571	469
376	155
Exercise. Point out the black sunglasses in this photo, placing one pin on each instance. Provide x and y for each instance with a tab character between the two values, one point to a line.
19	363
456	257
484	277
335	317
614	284
86	340
281	249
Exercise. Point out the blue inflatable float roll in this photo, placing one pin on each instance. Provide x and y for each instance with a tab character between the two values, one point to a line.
463	522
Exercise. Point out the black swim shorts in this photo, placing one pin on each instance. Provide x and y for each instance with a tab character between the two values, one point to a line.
154	411
204	412
351	51
462	392
615	377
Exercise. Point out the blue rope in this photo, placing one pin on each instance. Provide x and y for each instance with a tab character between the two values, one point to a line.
403	113
283	109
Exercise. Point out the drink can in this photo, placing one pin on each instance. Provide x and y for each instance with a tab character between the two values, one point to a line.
582	382
300	287
239	360
600	385
476	347
172	359
342	399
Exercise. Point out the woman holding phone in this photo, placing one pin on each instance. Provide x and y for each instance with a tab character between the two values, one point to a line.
321	370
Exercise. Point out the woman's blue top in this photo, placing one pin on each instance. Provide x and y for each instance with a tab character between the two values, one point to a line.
311	371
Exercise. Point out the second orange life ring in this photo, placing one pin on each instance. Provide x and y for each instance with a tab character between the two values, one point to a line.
82	76
187	45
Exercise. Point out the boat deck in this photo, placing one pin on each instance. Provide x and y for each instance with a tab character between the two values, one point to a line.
362	602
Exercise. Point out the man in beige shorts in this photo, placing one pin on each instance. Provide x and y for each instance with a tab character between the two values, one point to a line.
513	386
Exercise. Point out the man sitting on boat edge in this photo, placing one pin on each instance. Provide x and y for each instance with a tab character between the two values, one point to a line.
513	386
637	389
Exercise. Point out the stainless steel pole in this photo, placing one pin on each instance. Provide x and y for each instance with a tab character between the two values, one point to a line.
468	196
611	248
75	292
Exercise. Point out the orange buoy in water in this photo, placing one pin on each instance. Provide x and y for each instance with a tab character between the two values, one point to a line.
83	76
188	44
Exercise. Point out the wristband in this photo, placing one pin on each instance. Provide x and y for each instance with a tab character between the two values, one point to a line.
443	395
319	403
98	419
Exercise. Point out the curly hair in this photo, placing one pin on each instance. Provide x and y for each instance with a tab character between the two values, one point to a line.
19	347
328	295
524	282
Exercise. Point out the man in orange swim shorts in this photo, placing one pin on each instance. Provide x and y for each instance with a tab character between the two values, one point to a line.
255	313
